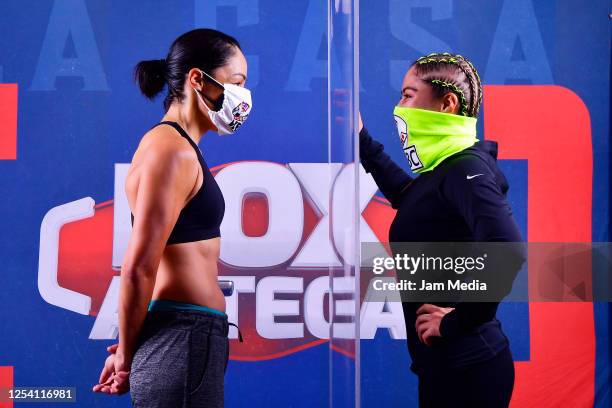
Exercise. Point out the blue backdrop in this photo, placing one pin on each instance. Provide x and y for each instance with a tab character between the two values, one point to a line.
79	112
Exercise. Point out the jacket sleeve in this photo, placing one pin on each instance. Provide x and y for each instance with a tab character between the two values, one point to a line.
470	188
390	178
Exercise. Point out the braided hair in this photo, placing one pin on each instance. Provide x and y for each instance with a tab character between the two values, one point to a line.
454	73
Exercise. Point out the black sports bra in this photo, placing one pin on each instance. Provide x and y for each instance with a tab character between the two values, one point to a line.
201	217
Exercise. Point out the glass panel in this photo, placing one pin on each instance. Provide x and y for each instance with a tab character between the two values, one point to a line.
345	215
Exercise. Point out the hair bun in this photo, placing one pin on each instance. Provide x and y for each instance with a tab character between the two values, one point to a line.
151	76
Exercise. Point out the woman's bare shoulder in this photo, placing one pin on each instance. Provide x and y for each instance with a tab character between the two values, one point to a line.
163	142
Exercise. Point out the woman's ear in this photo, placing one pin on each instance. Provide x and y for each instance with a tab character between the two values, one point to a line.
195	80
450	103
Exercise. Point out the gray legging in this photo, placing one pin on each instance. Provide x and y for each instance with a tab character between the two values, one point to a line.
180	360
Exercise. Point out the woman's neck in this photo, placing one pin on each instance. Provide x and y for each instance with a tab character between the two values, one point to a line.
189	117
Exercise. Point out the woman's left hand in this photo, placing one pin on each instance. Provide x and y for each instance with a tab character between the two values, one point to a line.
114	378
428	321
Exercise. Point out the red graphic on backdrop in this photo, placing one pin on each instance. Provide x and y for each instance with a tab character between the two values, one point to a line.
6	381
561	371
8	121
85	254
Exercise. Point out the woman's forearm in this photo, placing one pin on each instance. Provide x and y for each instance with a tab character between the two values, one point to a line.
390	178
135	292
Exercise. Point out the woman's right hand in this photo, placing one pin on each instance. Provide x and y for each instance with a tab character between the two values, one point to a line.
106	376
360	122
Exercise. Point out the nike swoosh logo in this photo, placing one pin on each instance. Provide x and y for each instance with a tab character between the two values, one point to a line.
471	177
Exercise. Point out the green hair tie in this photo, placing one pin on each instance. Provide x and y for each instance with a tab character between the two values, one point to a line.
428	59
455	89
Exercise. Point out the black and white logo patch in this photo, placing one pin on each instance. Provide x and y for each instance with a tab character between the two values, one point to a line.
413	158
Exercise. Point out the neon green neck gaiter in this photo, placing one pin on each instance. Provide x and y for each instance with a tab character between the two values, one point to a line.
428	137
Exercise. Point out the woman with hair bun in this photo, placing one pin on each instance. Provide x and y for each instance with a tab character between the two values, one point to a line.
173	331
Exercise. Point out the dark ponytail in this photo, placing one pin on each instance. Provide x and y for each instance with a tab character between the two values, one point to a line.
151	77
201	48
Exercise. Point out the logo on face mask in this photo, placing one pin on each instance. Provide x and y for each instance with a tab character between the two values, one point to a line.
409	150
240	114
413	158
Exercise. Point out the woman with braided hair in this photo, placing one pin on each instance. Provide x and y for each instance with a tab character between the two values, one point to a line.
458	349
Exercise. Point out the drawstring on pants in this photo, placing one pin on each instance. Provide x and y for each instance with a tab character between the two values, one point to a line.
239	333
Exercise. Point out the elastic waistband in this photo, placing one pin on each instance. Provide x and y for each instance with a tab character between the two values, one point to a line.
212	318
165	305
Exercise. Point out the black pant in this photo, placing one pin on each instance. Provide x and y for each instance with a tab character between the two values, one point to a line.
487	384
